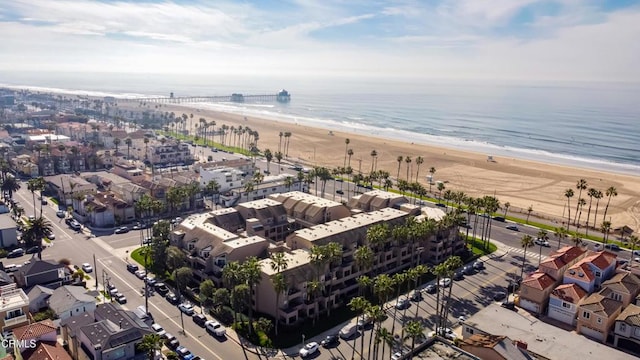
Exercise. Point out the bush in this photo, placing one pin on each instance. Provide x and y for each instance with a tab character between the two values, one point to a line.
44	315
3	253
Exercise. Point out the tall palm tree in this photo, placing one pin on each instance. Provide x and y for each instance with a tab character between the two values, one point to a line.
374	156
278	264
407	160
611	192
560	234
542	234
526	242
384	336
213	188
605	228
506	207
432	171
358	305
581	203
10	185
346	149
419	161
36	231
280	142
598	195
128	141
399	159
268	155
633	242
414	330
116	143
581	185
568	194
591	193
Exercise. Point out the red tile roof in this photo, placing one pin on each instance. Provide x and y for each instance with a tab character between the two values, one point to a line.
47	351
539	280
601	259
571	293
583	268
35	330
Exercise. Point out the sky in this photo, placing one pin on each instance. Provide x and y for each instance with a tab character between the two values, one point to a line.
581	40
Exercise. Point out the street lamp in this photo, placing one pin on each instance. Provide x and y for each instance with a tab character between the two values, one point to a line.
302	340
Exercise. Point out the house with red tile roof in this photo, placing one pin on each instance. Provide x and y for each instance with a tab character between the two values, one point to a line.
564	301
597	315
559	261
47	351
627	330
590	272
44	330
534	292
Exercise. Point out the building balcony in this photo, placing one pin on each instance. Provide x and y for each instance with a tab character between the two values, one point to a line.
16	321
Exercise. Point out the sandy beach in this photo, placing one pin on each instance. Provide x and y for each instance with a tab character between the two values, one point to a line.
519	182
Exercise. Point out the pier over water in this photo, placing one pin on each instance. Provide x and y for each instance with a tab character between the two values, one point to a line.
282	96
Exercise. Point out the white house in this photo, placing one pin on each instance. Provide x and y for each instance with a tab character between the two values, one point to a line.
226	177
8	233
564	301
68	300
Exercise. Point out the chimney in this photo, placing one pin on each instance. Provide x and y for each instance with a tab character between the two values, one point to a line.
520	344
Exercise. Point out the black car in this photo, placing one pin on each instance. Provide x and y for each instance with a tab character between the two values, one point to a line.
161	288
499	296
132	268
469	270
15	253
431	289
33	249
416	296
613	247
199	319
339	192
173	344
330	340
458	275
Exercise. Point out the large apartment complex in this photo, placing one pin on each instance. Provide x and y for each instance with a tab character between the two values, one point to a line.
293	223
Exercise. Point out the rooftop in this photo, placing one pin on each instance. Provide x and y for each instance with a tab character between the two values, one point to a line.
34	330
12	297
630	315
6	222
295	259
544	339
571	293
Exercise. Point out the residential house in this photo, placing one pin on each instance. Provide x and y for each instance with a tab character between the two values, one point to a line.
109	332
308	210
123	212
128	171
597	315
560	260
266	218
39	298
590	272
564	301
35	332
24	166
244	165
70	187
494	347
61	159
48	351
627	330
14	307
69	300
272	184
94	210
158	153
534	292
8	231
376	200
42	272
5	279
226	177
623	287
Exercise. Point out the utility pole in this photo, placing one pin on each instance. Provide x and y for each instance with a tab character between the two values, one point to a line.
95	269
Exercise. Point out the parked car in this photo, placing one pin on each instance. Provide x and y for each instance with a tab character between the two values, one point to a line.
365	320
158	329
60	214
186	309
431	289
184	353
339	192
447	333
15	253
171	298
120	298
512	227
613	247
499	296
416	296
121	230
446	282
478	265
33	249
309	349
199	319
541	242
215	328
87	268
140	274
51	236
173	344
458	275
397	355
402	304
330	340
469	270
498	218
161	288
132	268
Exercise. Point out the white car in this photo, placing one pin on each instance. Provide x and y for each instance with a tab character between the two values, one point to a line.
397	356
158	329
541	242
186	309
215	328
446	282
87	268
447	333
309	349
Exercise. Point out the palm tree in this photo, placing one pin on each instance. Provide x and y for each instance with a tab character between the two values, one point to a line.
384	336
278	264
414	330
150	344
399	159
506	206
128	141
568	194
407	160
581	185
10	185
232	276
526	242
268	156
346	149
605	228
611	192
581	203
560	234
117	143
374	155
529	211
432	171
598	195
213	188
419	161
542	234
146	147
358	305
36	230
591	193
251	271
280	142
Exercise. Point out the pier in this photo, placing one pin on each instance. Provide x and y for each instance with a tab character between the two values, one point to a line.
281	96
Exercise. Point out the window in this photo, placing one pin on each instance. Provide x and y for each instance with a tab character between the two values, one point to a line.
586	315
598	274
622	327
566	305
616	296
599	320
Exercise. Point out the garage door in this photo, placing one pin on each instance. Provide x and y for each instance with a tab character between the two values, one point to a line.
594	334
566	317
528	305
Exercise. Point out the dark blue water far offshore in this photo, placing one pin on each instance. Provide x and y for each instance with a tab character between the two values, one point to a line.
592	125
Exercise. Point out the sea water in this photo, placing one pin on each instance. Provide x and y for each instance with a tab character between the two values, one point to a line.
591	125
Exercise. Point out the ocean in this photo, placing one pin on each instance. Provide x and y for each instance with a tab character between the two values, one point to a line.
588	125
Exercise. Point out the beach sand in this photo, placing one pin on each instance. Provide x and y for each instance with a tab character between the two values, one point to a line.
521	183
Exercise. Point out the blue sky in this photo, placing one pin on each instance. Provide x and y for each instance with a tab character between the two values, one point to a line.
475	39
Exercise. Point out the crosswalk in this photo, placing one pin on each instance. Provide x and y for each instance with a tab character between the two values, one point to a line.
531	253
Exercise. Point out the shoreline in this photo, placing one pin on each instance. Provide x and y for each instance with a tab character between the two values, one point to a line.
520	182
